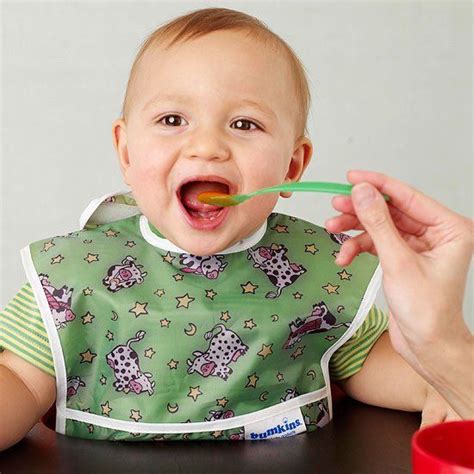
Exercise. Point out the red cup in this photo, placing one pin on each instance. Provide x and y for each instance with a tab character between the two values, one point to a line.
444	448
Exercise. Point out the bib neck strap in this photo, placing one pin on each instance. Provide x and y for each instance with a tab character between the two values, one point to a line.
151	234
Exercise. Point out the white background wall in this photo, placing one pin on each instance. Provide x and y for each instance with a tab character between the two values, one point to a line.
391	87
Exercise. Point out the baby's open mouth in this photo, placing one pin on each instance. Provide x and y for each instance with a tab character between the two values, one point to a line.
201	215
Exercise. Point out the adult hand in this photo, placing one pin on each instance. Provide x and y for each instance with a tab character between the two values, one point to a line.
425	251
436	410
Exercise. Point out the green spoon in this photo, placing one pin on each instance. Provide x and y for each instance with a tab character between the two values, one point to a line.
224	200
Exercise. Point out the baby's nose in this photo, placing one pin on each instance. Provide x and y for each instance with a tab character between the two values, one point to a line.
208	145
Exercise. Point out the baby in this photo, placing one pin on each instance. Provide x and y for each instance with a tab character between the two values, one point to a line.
161	310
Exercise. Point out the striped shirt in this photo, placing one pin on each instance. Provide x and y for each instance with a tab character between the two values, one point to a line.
22	331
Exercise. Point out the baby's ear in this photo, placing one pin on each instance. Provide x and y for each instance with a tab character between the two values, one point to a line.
299	161
119	138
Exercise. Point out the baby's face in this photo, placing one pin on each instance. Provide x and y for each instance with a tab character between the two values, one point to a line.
219	108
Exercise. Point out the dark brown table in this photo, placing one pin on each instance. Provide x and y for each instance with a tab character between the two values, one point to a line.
360	439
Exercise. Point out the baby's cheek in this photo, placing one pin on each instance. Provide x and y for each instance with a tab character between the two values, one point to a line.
146	172
259	207
147	165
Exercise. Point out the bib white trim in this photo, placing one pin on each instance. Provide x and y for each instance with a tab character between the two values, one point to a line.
121	211
198	427
366	303
54	342
165	244
94	205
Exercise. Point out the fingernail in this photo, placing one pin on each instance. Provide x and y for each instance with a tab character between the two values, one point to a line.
363	195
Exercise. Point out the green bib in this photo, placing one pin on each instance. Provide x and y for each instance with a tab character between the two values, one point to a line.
150	342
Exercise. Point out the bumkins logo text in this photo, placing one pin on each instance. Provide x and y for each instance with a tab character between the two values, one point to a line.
285	429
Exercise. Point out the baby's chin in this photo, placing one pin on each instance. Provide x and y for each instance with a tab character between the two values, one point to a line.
202	242
205	244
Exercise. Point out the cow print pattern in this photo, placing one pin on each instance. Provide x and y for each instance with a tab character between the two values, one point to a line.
225	346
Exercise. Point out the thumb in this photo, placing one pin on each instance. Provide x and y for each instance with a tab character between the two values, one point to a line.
374	215
434	410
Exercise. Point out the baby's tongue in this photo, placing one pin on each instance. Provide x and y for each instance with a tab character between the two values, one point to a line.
190	191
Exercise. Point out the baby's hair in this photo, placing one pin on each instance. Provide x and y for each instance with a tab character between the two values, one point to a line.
201	22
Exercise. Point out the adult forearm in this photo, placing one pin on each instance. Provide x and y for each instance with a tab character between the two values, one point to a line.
449	367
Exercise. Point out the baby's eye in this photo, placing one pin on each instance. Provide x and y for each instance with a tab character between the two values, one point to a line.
171	120
245	124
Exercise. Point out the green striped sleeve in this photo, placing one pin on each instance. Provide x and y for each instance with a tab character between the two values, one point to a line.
22	330
350	357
